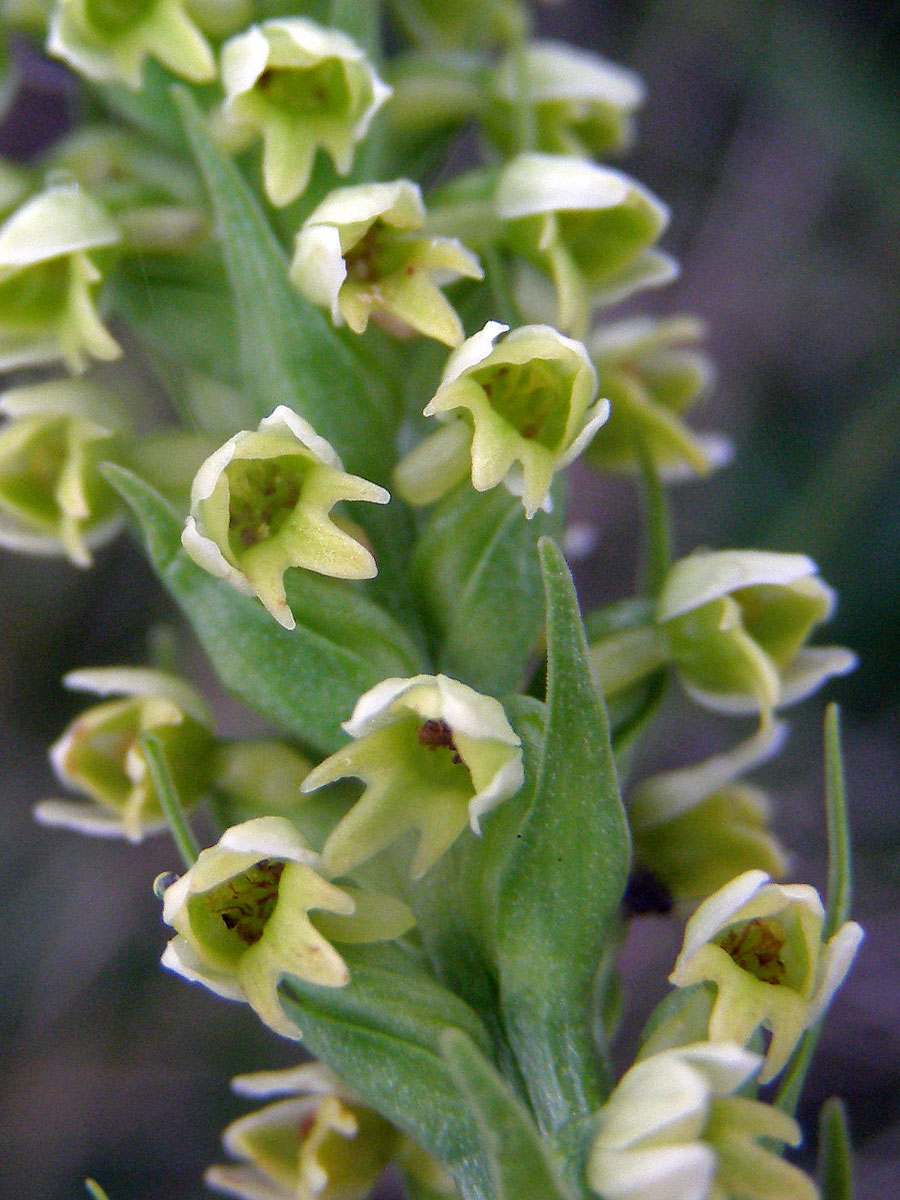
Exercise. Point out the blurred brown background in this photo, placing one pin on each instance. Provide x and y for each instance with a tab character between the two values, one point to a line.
773	131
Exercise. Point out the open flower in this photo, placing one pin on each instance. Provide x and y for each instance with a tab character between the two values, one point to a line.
583	105
100	754
300	87
514	413
652	374
761	944
260	504
110	42
321	1142
674	1130
589	227
53	499
434	756
242	918
47	278
697	827
360	254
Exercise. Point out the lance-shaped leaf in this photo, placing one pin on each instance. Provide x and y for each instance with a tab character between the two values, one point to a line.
565	877
306	680
288	352
520	1166
382	1036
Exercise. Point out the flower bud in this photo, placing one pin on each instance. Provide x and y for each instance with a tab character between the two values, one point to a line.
674	1128
761	944
583	105
110	42
696	828
242	918
47	278
100	754
359	254
463	23
513	413
260	504
300	87
434	755
652	374
53	499
320	1143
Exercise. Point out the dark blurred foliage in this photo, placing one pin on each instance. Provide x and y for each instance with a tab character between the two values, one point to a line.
772	130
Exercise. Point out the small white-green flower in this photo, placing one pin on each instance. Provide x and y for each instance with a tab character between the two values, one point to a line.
100	753
463	23
652	373
242	918
434	756
591	228
698	827
361	253
47	278
673	1129
514	410
260	504
53	499
301	88
321	1142
761	944
583	104
110	40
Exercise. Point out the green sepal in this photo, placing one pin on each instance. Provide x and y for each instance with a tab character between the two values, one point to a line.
475	567
520	1166
381	1034
835	1160
306	680
680	1018
288	352
564	878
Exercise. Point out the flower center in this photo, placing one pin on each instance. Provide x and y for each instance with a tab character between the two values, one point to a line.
532	397
116	16
756	946
246	901
437	733
262	495
377	254
36	295
314	91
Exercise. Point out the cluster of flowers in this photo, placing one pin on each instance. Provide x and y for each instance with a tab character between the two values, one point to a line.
514	406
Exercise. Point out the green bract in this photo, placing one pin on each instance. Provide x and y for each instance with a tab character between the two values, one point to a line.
674	1130
110	40
360	254
300	87
261	504
761	944
100	754
47	278
513	413
434	755
53	500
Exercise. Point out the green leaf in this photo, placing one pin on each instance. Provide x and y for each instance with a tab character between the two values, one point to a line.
564	879
476	569
165	789
520	1166
835	1162
306	680
381	1033
288	351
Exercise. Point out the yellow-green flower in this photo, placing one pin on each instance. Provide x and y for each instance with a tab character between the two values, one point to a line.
434	756
100	753
761	944
260	504
673	1129
242	918
301	88
110	40
513	412
361	253
47	279
53	499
